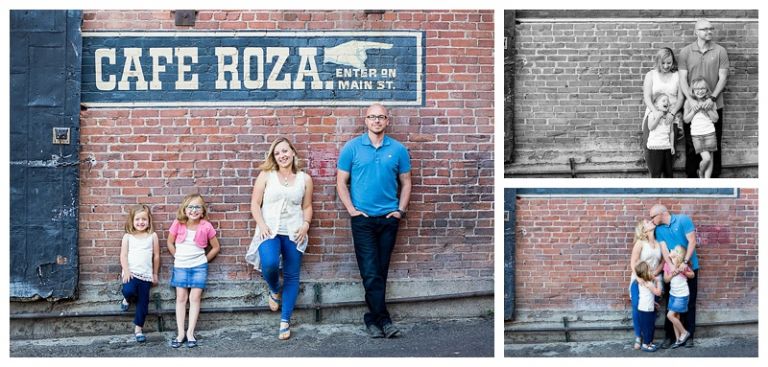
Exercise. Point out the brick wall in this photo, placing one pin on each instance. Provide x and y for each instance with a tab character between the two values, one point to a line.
578	86
573	253
156	156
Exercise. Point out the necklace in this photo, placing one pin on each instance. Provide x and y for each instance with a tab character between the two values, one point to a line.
285	178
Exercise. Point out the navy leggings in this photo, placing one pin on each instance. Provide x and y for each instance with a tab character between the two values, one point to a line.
137	290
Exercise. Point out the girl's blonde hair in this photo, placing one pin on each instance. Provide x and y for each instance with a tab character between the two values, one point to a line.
132	211
640	234
700	82
181	215
643	271
270	164
680	252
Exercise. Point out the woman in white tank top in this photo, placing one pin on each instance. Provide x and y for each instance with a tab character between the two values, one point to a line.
281	205
665	79
647	250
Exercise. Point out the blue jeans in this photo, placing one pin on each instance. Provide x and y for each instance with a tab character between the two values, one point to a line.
137	290
270	251
634	296
374	239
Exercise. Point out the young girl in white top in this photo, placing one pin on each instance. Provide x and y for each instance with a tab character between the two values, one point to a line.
140	262
190	235
649	288
281	205
702	124
646	250
661	138
678	293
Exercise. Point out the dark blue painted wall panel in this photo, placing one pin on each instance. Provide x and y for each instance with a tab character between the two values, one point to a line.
45	93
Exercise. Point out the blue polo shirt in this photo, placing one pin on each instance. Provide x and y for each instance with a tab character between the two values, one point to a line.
374	173
674	235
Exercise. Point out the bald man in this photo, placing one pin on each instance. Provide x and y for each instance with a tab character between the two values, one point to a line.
674	230
377	169
704	58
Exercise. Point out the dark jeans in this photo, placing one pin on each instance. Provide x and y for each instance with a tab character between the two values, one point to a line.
688	318
692	159
374	239
271	252
659	163
137	290
647	323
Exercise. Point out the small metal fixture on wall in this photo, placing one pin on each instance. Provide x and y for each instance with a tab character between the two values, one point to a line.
185	17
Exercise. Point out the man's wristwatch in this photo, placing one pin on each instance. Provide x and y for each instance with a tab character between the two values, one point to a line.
402	213
713	98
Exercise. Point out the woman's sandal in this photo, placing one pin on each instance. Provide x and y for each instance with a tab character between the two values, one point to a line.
274	302
284	333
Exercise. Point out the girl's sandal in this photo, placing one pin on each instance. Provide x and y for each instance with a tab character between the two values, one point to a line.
284	333
274	302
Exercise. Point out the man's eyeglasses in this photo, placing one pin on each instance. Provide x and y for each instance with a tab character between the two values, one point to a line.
377	117
706	29
194	207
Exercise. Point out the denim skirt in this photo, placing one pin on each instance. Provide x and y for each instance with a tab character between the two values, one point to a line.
678	304
194	277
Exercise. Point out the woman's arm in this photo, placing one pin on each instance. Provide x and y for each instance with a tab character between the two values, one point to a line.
648	91
689	111
257	198
635	257
306	208
679	103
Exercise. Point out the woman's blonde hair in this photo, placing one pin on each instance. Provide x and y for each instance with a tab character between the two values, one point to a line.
640	234
270	164
129	228
643	271
181	215
662	54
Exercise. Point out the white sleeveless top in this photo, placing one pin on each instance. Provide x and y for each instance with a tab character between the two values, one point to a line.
669	87
658	138
650	256
701	124
140	256
282	212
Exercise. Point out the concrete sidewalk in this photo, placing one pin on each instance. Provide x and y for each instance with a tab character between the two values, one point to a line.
430	338
724	346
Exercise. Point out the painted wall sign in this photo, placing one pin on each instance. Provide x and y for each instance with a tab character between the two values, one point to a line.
629	192
198	69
